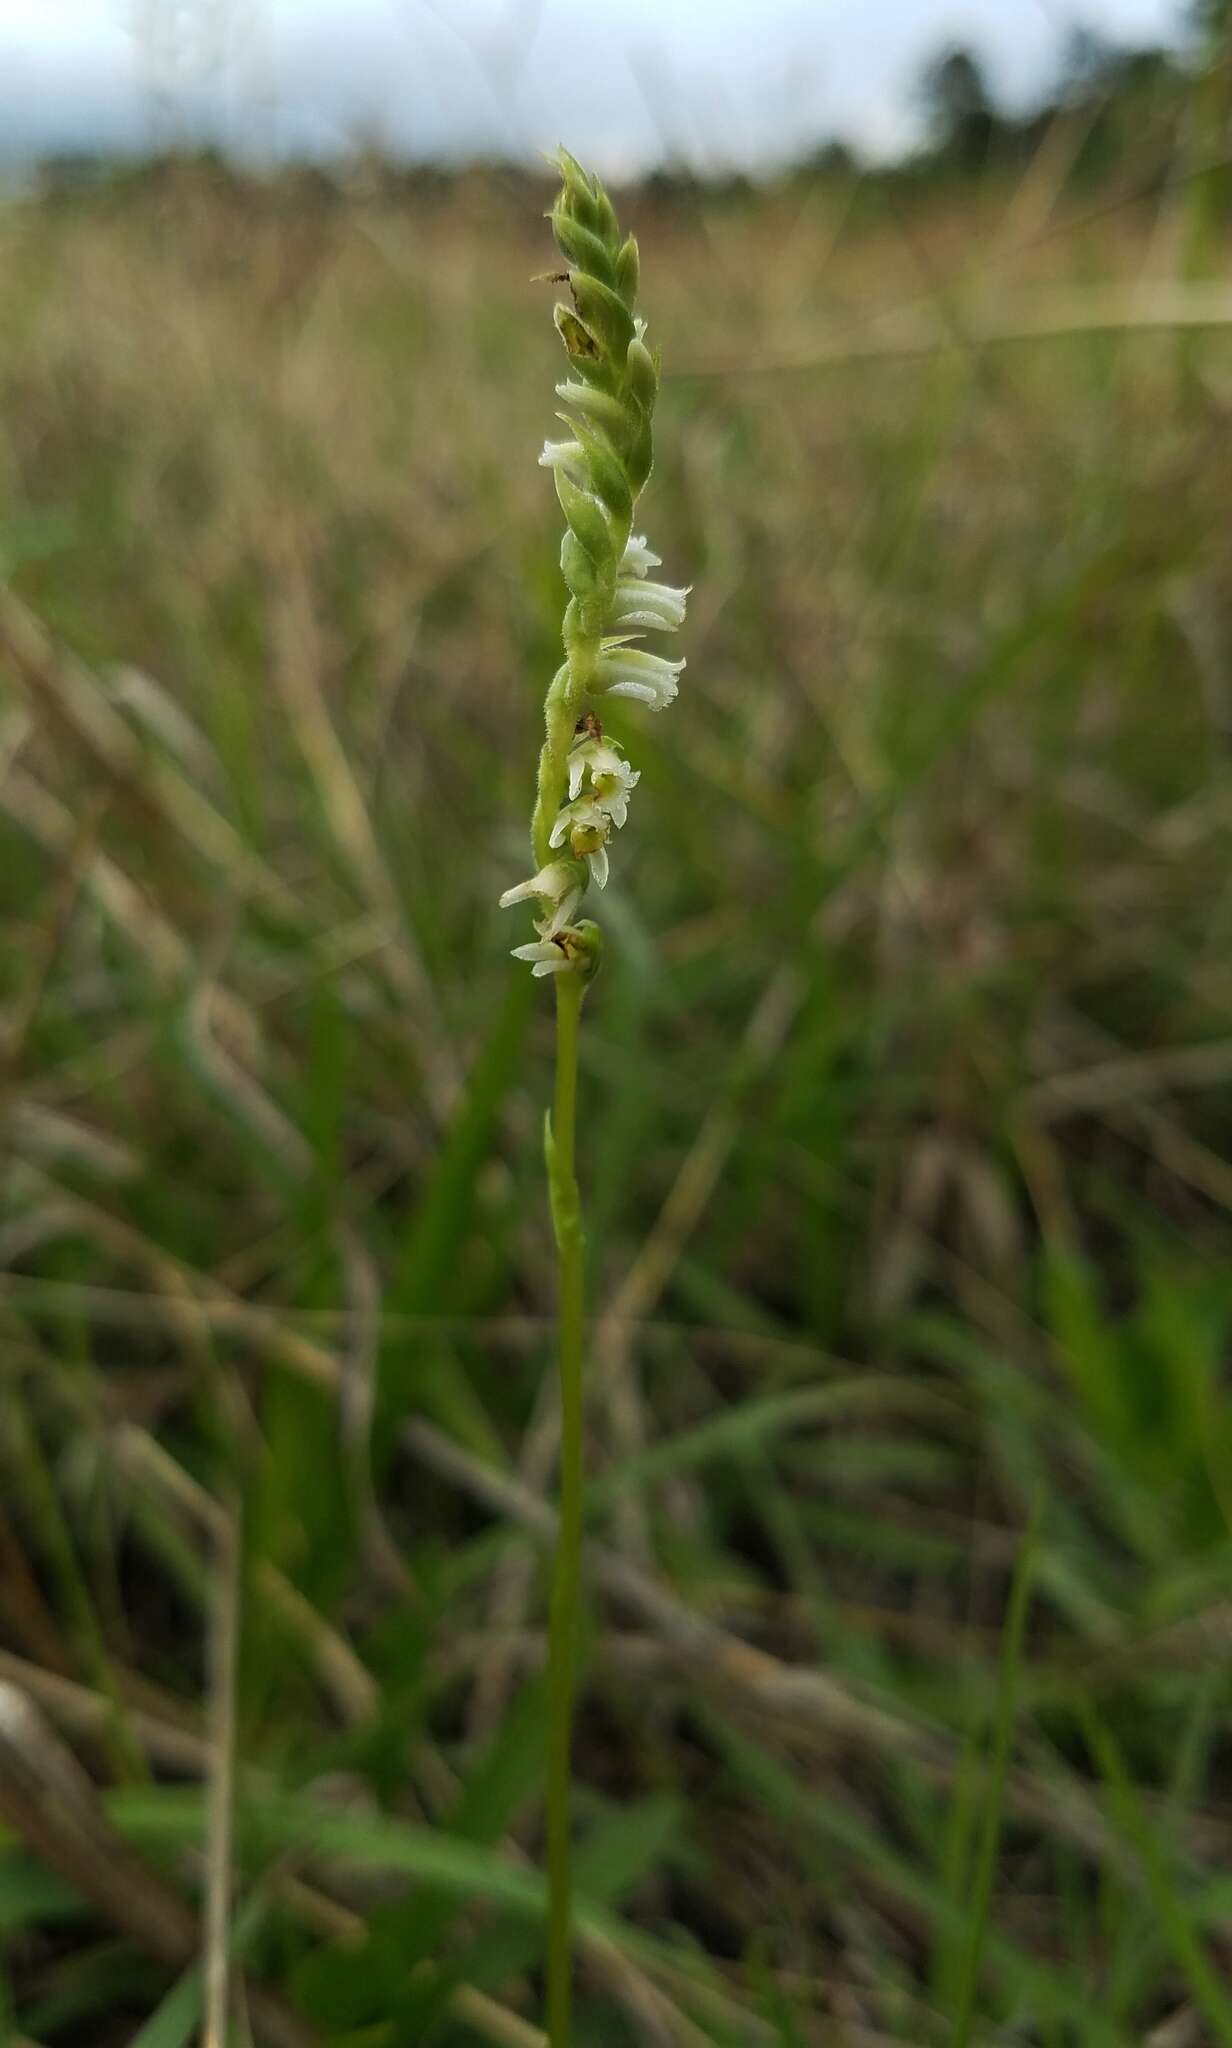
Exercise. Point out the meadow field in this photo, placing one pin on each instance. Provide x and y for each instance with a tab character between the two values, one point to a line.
906	1131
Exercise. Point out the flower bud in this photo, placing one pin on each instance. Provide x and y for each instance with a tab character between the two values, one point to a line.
627	270
605	315
585	516
639	459
579	197
582	345
606	472
588	947
576	565
643	373
581	247
603	406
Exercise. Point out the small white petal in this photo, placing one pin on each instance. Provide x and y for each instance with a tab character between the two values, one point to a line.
636	661
561	455
642	622
638	558
584	813
577	772
559	830
543	957
642	692
557	884
658	606
563	914
617	808
631	672
598	866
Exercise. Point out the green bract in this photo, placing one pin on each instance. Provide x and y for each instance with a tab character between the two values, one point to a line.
599	472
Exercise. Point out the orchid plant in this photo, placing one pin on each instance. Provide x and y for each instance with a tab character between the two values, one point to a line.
582	800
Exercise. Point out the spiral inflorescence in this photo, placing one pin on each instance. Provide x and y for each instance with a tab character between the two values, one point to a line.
599	471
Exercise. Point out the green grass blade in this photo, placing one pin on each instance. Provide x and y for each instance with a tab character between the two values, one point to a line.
1175	1916
984	1875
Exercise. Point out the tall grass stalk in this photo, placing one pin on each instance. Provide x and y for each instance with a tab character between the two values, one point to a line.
581	801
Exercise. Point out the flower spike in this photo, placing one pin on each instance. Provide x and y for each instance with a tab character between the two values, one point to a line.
582	801
599	472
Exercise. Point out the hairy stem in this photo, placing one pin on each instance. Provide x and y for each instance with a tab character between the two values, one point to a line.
563	1620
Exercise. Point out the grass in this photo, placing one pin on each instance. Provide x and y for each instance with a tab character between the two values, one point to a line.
904	1129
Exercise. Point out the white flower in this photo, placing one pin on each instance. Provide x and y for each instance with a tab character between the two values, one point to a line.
631	672
583	815
656	606
611	779
588	827
546	956
559	885
582	756
566	455
612	788
637	557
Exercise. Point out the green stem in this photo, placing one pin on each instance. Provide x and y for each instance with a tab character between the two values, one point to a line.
563	1619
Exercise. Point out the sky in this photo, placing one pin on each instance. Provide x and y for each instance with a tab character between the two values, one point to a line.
625	83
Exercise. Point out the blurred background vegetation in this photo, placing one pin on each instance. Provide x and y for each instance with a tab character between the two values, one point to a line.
907	1125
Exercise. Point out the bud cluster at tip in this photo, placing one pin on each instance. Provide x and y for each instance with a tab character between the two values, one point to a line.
599	470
